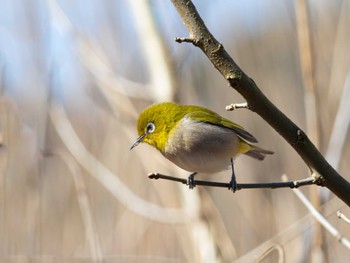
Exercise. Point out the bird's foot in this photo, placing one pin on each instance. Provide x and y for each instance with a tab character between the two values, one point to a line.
190	180
233	185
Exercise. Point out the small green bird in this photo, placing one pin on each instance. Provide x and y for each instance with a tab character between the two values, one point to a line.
195	138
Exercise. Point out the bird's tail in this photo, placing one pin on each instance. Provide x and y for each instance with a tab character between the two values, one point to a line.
257	152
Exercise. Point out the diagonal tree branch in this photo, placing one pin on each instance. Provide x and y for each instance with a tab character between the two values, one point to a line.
200	36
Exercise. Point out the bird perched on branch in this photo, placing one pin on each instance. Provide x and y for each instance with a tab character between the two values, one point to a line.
195	138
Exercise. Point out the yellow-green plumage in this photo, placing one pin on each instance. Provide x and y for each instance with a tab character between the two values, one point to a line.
195	138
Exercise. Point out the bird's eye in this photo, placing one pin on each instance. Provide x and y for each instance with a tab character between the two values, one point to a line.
150	128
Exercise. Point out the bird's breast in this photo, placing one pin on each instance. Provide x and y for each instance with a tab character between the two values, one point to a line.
201	147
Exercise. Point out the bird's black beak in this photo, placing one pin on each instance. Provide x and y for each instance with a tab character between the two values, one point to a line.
138	140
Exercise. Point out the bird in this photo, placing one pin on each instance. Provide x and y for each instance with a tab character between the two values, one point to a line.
196	139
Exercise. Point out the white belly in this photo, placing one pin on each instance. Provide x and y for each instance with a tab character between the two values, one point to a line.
201	147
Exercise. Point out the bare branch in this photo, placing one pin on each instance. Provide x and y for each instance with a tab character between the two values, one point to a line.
271	185
258	102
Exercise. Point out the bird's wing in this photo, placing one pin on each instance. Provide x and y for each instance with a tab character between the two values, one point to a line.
215	119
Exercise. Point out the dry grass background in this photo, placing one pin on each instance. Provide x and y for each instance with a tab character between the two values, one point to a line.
74	76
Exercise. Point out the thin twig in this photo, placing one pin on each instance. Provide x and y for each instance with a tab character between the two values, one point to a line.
186	39
234	106
271	185
342	216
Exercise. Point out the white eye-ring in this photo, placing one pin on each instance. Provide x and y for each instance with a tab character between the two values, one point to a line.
150	128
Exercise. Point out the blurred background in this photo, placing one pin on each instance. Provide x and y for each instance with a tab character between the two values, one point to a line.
74	75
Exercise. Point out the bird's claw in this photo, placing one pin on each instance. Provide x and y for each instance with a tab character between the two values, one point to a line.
232	185
190	181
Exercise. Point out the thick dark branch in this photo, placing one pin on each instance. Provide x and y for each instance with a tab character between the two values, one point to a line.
272	185
200	36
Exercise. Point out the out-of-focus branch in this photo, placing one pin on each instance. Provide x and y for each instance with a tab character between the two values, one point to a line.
310	102
212	215
323	221
257	101
344	217
91	233
307	70
159	68
97	63
109	180
340	127
267	252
